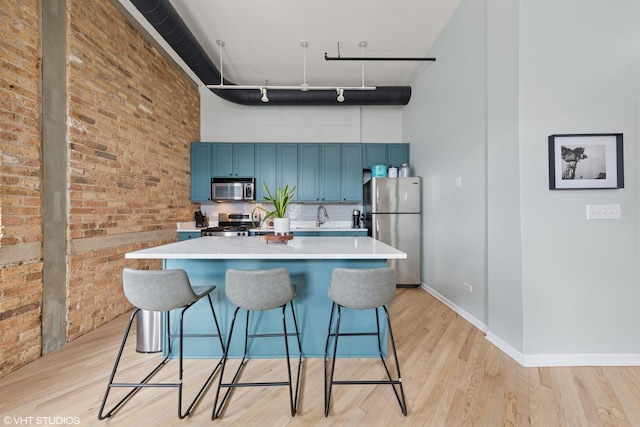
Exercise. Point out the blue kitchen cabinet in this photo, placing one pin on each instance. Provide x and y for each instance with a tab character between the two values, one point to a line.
235	160
309	172
330	161
374	154
322	168
277	165
385	154
287	166
186	235
266	171
351	173
397	154
330	172
200	172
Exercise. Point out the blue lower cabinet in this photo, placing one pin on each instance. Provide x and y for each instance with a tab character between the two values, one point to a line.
186	235
312	305
305	233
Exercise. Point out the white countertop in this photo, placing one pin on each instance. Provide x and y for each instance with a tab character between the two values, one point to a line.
258	248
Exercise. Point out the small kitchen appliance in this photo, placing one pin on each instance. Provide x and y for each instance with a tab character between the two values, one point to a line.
200	219
231	225
355	219
378	171
233	189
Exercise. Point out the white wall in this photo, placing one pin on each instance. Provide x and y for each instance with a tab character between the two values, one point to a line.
504	246
225	121
579	73
558	289
446	125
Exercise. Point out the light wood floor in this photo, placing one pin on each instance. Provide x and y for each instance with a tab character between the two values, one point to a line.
453	377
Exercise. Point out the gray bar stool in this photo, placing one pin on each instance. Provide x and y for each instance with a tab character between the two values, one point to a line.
361	289
161	290
259	290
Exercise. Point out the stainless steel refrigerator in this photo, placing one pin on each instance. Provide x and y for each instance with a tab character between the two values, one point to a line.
392	212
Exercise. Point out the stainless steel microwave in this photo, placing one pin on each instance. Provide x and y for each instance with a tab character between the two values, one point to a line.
233	189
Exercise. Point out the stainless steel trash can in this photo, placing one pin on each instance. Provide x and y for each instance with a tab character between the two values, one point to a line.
148	328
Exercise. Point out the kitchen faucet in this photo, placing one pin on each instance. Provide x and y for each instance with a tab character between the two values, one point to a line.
326	215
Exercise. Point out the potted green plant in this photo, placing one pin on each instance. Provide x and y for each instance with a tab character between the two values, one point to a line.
280	200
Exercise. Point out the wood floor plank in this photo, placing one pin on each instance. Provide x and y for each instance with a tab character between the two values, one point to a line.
523	399
452	375
545	409
626	388
566	391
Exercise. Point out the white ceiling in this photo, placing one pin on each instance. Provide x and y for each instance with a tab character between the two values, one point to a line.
263	38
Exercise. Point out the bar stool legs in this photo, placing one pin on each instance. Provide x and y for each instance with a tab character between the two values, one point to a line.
329	368
293	393
145	381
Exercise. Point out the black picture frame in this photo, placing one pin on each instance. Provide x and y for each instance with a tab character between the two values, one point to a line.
586	161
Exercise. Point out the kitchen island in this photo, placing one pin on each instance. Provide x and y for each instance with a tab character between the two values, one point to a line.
310	261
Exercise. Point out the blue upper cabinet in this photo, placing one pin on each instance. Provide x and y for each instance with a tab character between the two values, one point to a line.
329	172
266	169
200	172
308	172
244	160
385	154
330	178
221	160
287	167
397	154
374	154
351	185
233	160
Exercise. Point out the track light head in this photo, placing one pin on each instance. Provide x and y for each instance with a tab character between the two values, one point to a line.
340	92
263	91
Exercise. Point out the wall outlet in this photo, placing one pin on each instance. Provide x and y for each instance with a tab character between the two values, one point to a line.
603	212
468	287
459	182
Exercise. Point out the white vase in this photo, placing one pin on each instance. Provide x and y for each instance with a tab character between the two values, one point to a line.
281	225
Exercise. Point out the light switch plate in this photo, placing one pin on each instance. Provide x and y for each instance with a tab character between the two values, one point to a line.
603	212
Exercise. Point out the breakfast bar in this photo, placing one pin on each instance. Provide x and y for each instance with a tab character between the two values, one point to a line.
310	262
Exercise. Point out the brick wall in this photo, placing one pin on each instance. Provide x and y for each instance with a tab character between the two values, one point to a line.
20	205
130	117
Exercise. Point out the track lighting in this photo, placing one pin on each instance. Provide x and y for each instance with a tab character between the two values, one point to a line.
304	87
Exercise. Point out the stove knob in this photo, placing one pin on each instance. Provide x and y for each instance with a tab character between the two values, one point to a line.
239	233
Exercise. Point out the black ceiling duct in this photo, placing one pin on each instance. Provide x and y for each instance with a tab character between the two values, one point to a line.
165	19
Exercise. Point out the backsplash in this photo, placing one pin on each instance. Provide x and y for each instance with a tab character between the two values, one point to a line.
295	211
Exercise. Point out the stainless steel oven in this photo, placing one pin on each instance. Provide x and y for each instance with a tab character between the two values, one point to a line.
233	189
231	225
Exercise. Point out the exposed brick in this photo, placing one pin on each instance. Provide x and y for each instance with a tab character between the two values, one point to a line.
131	115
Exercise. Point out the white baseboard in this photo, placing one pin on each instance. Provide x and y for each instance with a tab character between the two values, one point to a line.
540	360
462	313
585	359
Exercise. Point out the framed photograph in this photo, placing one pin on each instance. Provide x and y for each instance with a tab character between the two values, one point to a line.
585	161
